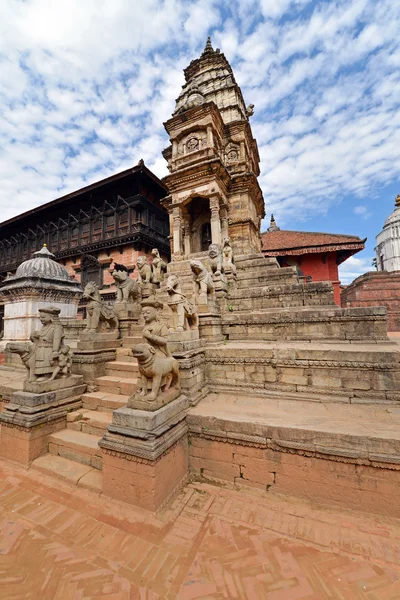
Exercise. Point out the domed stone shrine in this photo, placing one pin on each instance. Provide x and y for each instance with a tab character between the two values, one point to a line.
38	282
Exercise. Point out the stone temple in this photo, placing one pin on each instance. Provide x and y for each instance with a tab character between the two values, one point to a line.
236	371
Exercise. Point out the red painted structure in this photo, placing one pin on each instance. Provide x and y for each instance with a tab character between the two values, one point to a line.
317	255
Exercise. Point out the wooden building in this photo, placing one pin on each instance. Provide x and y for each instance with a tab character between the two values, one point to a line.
117	218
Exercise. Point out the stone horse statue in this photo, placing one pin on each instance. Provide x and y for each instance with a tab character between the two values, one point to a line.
97	311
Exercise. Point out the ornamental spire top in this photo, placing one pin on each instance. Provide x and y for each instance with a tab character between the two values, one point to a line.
397	201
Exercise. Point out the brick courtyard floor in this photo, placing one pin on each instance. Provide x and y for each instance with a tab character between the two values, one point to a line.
60	542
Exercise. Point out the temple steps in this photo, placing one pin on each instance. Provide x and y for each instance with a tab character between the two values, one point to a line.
104	401
117	385
69	470
122	368
77	446
89	421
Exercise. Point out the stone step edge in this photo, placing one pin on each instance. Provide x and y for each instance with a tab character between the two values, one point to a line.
85	476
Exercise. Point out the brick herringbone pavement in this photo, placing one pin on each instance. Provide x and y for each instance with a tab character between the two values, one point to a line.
59	542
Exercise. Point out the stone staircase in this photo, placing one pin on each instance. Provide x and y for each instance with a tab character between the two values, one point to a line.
74	453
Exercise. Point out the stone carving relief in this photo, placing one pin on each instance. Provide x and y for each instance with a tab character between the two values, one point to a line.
184	312
192	142
203	286
215	257
98	313
159	371
232	153
46	356
159	266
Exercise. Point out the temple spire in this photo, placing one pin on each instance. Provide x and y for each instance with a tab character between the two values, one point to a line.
208	48
272	225
397	201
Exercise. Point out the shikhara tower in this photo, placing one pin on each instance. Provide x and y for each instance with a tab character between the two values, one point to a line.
213	162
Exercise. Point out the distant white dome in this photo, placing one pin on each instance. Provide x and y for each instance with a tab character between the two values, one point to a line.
393	218
43	264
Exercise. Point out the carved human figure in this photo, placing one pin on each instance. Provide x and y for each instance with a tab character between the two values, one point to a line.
154	332
145	274
64	363
159	266
184	312
203	285
127	289
215	258
41	356
97	311
228	260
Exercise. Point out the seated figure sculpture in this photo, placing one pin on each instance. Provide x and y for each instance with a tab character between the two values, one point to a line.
159	371
159	266
184	312
215	259
46	356
203	286
97	311
228	261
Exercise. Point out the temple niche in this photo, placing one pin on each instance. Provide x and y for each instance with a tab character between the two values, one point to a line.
213	162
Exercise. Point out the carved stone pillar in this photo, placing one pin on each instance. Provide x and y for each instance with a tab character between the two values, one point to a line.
215	221
224	223
176	215
187	238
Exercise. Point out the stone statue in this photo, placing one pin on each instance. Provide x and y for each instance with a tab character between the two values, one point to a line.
158	374
215	258
97	311
154	332
203	285
127	288
228	261
46	356
159	371
145	274
159	266
184	312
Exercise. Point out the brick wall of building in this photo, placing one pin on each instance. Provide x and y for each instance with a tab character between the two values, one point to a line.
377	288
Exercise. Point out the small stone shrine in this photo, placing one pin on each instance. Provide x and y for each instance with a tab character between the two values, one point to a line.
38	282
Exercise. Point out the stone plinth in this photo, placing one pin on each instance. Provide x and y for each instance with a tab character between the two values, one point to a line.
128	316
145	454
29	418
183	341
210	322
94	351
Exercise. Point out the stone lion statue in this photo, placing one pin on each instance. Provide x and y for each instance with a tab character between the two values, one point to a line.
184	312
145	274
127	288
203	285
158	374
215	257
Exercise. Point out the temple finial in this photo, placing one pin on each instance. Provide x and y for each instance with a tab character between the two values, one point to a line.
397	201
208	47
272	225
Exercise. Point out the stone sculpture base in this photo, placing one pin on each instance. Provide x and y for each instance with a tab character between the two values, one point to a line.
182	341
163	398
210	322
145	455
40	387
94	351
29	418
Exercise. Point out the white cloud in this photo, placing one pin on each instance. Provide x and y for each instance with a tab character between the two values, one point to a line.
85	87
353	267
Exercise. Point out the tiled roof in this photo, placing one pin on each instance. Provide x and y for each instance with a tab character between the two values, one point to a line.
277	243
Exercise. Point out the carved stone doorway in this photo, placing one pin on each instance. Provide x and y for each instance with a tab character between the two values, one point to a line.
91	270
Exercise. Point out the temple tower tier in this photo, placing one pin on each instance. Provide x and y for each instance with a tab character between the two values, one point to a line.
213	162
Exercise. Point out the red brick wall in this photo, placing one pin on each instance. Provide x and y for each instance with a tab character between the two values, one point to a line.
320	266
377	288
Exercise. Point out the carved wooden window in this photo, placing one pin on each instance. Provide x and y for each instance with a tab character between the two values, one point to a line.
74	235
63	239
110	226
85	232
97	229
91	270
123	222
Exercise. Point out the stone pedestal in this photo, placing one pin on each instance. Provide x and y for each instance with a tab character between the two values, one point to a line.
186	347
210	322
93	352
30	417
128	315
221	285
145	454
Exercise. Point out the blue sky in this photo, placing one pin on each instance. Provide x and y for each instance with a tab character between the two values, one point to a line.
86	86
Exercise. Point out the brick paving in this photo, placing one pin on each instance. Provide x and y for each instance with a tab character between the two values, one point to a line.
65	543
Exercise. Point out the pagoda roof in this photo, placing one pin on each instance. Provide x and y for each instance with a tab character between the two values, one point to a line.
286	242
